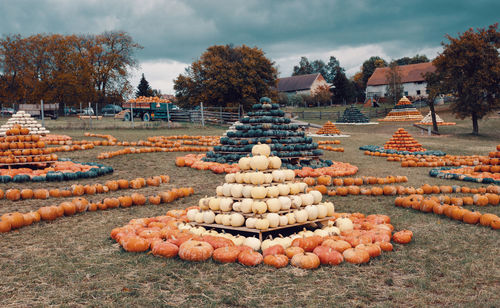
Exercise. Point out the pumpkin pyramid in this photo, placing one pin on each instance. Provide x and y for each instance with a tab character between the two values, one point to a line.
352	114
427	120
328	129
403	111
25	120
401	140
267	124
261	198
19	147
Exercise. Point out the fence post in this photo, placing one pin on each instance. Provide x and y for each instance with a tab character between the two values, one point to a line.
41	113
90	116
239	112
320	114
132	114
202	117
221	121
168	115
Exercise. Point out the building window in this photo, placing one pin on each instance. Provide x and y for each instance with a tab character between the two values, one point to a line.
427	91
406	93
418	92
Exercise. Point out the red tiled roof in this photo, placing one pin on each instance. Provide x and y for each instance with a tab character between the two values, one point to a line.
296	83
409	73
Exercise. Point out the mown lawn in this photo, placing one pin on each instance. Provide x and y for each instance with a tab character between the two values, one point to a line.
72	261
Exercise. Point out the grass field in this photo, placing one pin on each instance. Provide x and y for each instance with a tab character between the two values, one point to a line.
72	261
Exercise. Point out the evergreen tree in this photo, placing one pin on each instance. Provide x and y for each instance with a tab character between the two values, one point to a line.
144	89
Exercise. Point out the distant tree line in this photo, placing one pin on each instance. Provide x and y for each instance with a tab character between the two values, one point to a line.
66	69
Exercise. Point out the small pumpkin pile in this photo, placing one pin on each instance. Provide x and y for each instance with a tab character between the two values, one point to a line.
328	129
452	208
402	141
16	220
353	238
80	190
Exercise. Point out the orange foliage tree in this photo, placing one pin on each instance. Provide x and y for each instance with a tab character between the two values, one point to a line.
227	76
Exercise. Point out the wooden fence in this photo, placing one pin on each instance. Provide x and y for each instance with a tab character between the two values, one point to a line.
335	115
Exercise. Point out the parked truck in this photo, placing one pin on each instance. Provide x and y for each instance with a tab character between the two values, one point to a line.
147	111
35	110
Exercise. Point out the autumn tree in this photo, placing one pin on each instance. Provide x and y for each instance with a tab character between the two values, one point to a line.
227	76
469	67
322	95
394	86
369	67
143	89
413	60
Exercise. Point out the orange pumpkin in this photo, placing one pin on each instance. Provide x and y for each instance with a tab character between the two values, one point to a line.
15	219
356	256
193	250
226	254
26	194
277	261
250	258
125	201
402	237
13	194
305	260
41	193
293	250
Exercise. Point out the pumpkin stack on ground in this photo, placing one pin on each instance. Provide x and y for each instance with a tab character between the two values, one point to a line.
352	114
267	124
261	198
401	140
328	129
427	120
487	171
25	120
403	111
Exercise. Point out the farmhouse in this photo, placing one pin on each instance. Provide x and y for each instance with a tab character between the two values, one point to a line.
412	78
301	84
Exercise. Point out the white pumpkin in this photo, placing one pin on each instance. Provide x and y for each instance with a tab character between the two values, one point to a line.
218	191
330	208
226	204
244	163
184	227
259	162
247	191
246	205
261	149
317	196
226	220
238	240
296	201
226	189
273	191
294	188
344	224
286	203
252	242
273	205
284	189
197	231
266	244
191	213
203	204
237	220
332	230
283	220
250	222
289	174
214	204
274	220
312	212
284	241
301	216
230	178
208	217
218	219
278	176
237	190
247	178
321	232
237	206
262	224
238	176
307	199
258	192
291	218
268	178
257	178
302	186
274	162
306	233
322	210
199	217
259	207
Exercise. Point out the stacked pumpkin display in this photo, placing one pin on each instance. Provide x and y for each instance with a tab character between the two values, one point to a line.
20	147
328	129
401	140
262	196
427	120
24	119
403	111
266	123
352	114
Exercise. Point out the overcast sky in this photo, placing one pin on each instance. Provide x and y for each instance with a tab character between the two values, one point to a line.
174	33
